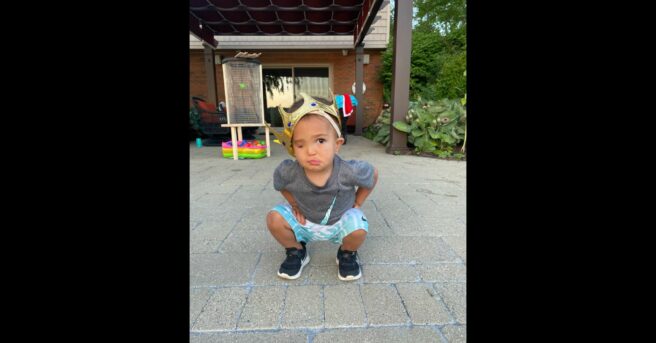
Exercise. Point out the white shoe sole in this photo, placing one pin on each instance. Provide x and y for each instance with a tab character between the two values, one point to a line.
294	277
350	277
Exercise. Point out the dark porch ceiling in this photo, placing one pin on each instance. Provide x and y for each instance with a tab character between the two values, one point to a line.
209	18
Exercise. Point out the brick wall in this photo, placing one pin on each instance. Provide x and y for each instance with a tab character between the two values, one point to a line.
197	77
343	69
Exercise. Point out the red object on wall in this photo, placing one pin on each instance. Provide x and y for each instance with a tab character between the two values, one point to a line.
207	106
351	119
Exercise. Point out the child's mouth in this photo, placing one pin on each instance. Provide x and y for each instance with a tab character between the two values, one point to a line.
314	162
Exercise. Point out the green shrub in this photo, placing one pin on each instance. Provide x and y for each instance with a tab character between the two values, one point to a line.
435	127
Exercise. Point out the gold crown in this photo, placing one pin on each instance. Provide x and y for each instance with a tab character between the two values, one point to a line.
309	105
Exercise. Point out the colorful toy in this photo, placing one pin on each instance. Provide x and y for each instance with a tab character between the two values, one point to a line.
245	149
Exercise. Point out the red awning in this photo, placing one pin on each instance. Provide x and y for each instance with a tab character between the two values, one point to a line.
209	18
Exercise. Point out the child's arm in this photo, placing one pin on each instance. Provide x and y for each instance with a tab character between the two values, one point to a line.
362	193
292	202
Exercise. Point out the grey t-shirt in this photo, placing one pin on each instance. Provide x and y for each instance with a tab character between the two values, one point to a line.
314	201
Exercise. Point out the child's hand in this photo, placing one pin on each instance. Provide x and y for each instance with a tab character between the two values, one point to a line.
299	216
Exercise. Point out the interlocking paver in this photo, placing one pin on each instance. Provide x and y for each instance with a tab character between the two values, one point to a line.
443	272
197	299
221	269
389	273
423	305
453	294
383	305
263	309
455	333
379	334
303	307
251	337
343	306
222	309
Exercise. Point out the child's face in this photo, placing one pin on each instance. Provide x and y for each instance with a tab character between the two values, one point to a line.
315	143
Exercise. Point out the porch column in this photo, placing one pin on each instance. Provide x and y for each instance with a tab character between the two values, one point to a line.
400	73
359	79
210	73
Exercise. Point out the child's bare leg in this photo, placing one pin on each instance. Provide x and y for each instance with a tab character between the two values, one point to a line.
281	231
354	240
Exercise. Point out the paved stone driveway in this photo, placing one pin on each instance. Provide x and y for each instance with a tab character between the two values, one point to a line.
413	286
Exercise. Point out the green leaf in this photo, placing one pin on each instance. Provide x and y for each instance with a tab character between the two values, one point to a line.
401	126
428	146
419	141
425	117
417	132
433	133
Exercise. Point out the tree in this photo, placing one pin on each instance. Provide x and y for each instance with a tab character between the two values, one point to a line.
439	51
441	15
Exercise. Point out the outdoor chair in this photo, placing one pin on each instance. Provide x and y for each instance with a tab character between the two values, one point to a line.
210	120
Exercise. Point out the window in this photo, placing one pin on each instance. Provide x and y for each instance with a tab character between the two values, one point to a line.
283	85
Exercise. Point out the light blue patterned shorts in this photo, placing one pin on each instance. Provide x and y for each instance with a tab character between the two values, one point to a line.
351	220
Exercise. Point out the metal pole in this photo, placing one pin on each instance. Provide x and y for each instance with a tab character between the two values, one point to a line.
210	72
400	73
359	79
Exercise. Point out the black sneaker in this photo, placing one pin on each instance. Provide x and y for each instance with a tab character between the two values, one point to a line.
348	268
293	265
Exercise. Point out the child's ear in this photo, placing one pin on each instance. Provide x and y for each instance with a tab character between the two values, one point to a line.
339	143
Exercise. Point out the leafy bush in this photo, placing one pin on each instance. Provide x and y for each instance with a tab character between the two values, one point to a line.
435	126
194	122
379	131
